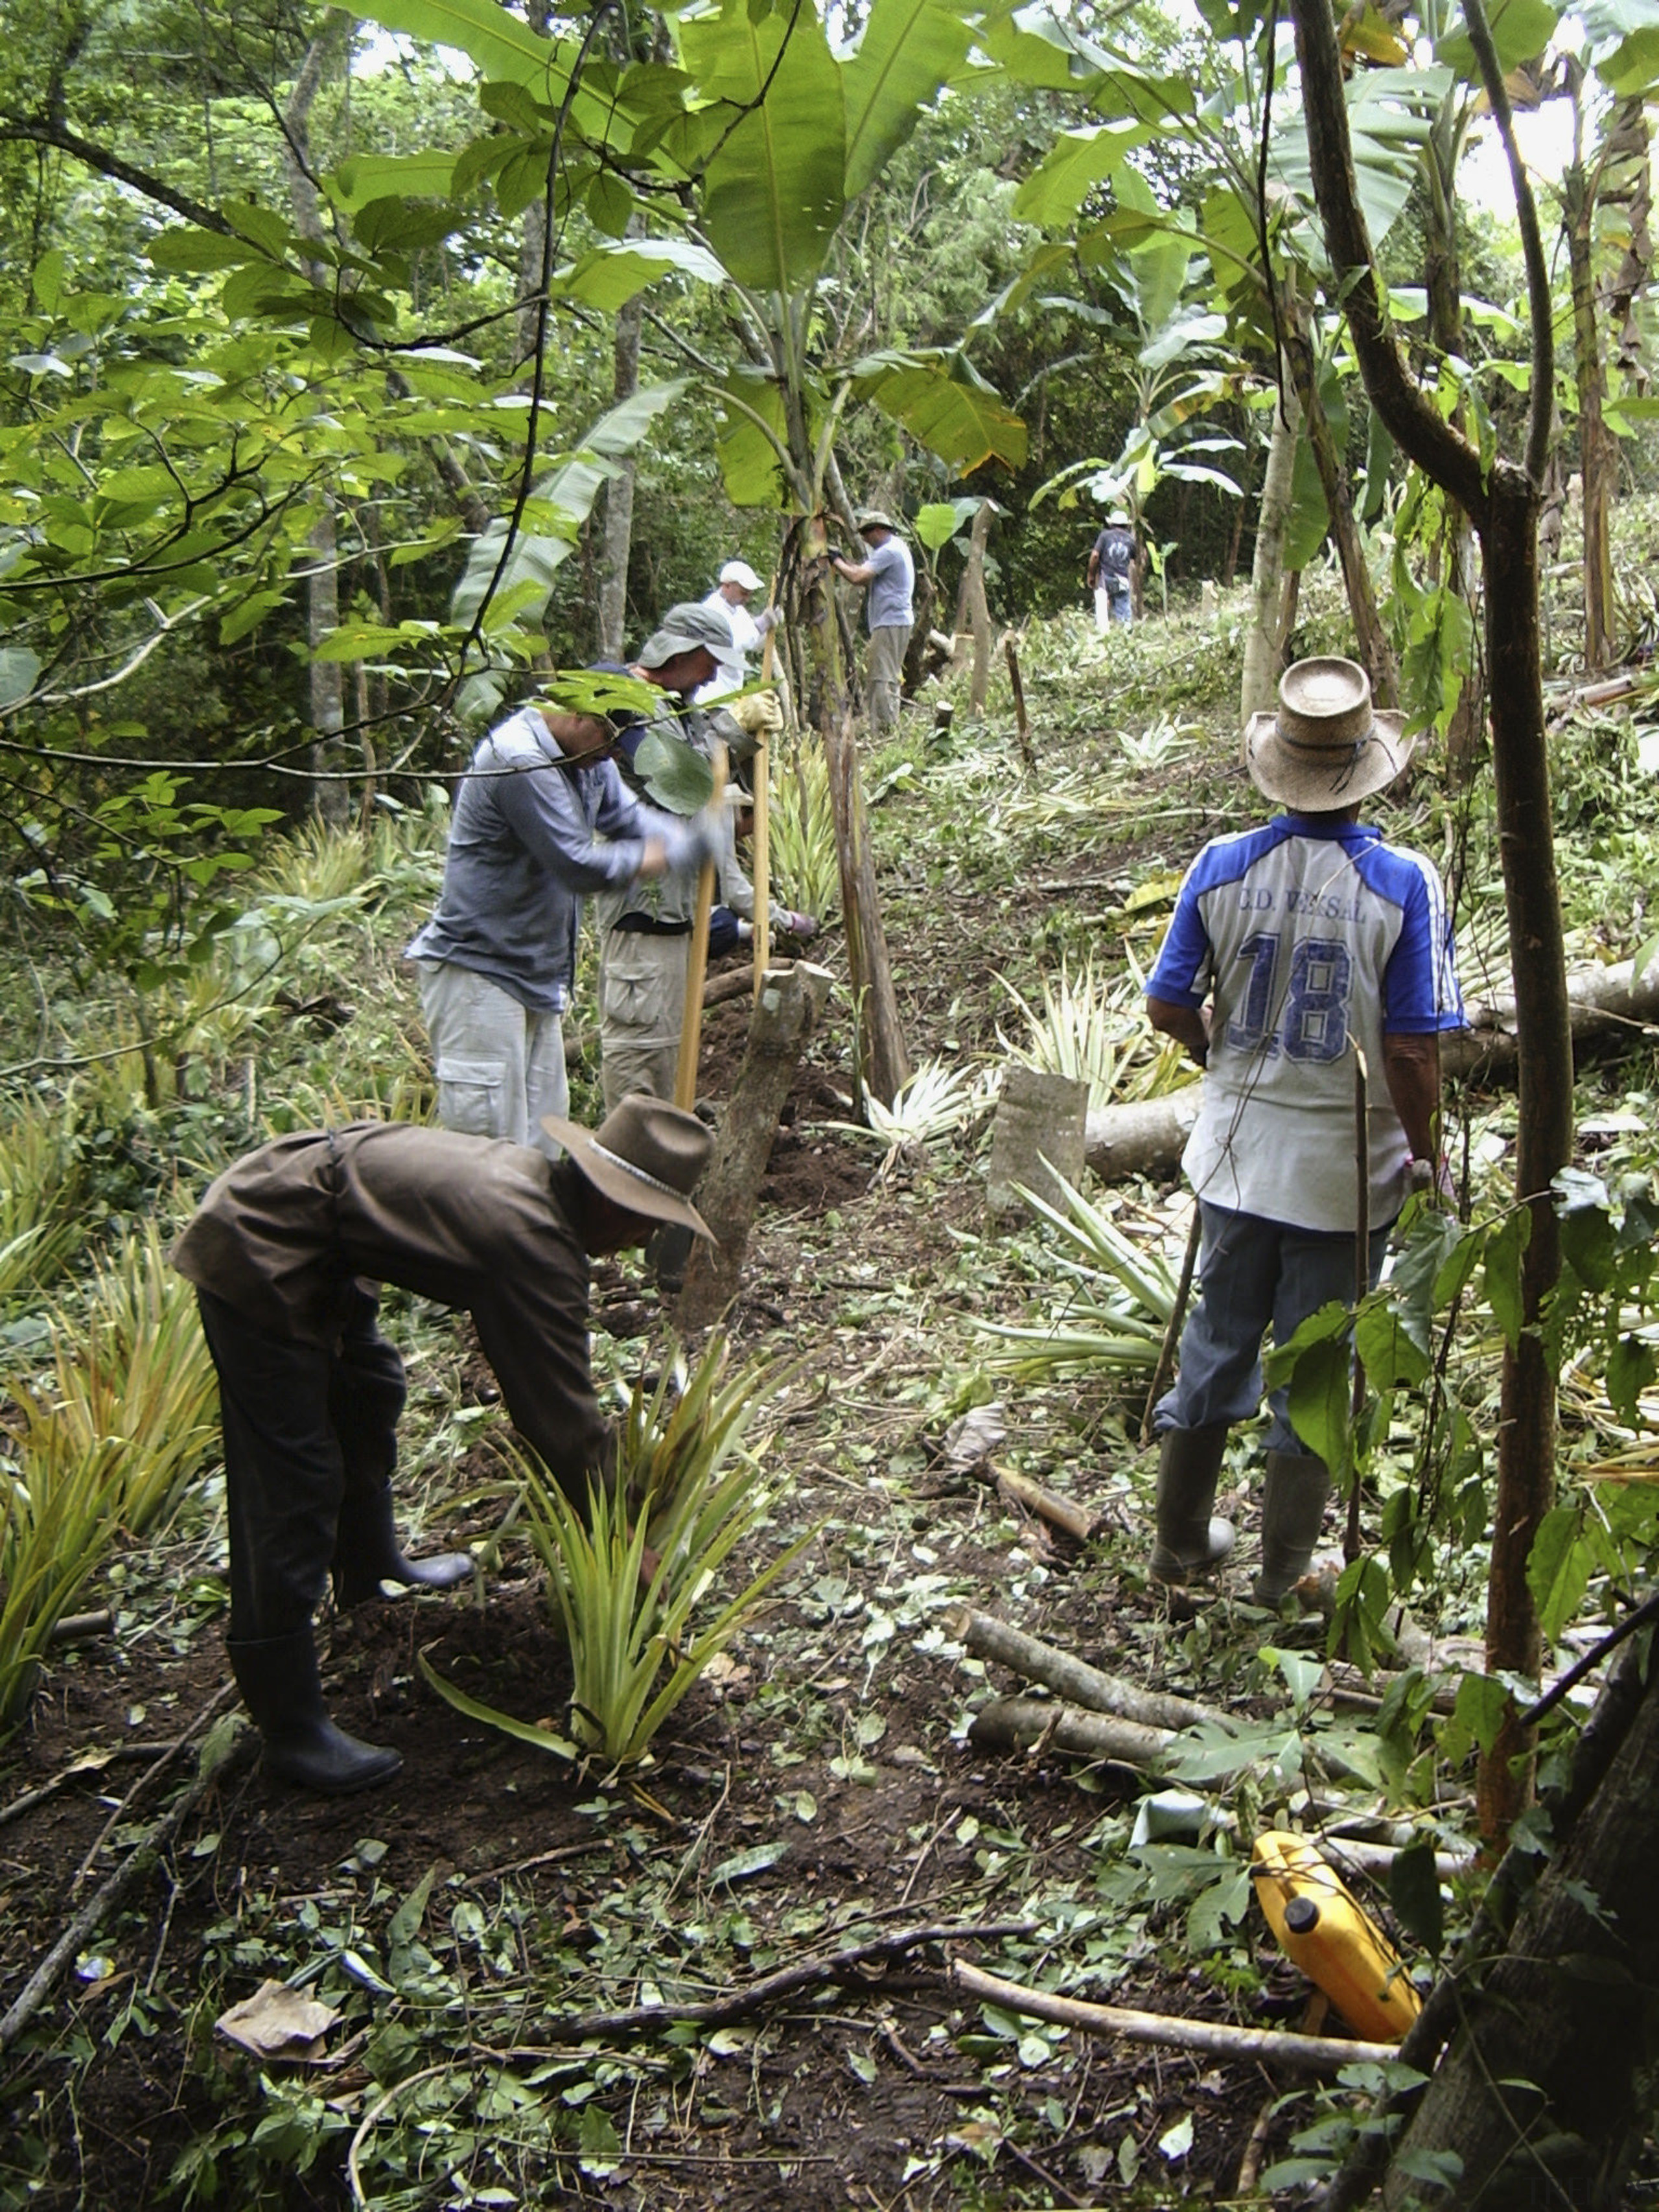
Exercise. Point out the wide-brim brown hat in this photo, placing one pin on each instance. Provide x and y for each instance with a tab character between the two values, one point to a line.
1327	746
646	1155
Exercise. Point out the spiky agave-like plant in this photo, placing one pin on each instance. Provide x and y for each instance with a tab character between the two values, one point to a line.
633	1579
1114	1318
1096	1032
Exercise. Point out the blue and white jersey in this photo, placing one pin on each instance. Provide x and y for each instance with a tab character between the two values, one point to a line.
1310	938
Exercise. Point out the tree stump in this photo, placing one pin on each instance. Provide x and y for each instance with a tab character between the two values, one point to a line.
786	1014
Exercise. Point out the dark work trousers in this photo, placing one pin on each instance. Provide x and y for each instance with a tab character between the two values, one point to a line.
310	1438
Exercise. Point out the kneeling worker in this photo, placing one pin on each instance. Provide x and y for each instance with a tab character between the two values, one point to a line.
285	1252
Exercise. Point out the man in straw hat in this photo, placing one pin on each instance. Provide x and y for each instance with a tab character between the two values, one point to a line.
890	574
1311	940
286	1251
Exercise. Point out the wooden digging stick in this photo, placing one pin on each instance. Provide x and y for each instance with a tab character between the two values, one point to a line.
1362	1275
697	963
762	773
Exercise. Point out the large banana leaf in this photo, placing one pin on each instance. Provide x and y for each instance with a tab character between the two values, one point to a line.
945	405
502	45
607	276
749	467
1076	163
563	498
909	50
775	186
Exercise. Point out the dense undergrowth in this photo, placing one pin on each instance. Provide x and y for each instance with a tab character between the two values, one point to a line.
1003	890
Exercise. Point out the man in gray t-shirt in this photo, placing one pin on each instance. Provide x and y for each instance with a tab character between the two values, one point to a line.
542	817
890	575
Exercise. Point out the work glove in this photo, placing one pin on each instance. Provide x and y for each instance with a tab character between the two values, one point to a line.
798	925
767	620
759	715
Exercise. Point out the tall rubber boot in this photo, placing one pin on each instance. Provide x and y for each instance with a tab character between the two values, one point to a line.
1188	1541
278	1678
367	1551
1292	1514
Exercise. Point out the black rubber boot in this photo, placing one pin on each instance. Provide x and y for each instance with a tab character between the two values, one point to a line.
367	1551
278	1678
1292	1514
1188	1541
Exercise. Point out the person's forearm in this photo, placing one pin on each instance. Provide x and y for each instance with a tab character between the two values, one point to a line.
1412	1067
1186	1024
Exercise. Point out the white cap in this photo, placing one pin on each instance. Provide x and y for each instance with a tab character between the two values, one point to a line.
739	572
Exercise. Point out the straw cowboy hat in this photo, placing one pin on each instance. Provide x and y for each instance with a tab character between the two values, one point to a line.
1328	746
646	1155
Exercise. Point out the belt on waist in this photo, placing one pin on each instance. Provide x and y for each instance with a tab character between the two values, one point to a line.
646	925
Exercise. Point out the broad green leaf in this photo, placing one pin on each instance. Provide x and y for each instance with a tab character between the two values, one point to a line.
1321	1392
1035	48
365	177
910	49
1480	1709
775	186
1076	163
1505	1247
195	253
18	668
1587	1233
1309	518
248	615
1520	29
607	276
1559	1569
945	405
758	1859
674	772
1414	1895
1390	1353
1630	1370
751	463
500	44
937	524
1634	66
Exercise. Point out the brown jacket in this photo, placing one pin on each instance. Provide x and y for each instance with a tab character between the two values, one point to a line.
473	1222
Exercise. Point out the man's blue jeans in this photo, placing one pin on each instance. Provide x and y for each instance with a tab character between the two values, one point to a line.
1254	1275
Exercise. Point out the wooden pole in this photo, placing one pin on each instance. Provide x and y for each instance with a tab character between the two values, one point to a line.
762	785
696	958
1362	1275
1021	723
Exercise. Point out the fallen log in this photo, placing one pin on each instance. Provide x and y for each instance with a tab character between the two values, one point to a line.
1145	1136
1078	1521
986	1637
1018	1724
1309	2054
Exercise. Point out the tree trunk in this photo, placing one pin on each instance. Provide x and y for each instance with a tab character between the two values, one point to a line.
883	1064
333	797
1543	2095
783	1020
619	492
1374	653
1259	689
972	613
1598	449
1502	500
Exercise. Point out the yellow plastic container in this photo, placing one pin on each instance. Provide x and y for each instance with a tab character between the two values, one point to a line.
1330	1936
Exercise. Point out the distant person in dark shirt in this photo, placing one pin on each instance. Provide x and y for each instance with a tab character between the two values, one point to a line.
1112	569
